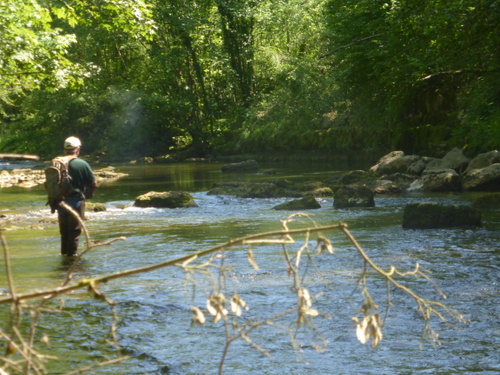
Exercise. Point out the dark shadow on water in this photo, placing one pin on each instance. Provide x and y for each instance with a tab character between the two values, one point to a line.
71	264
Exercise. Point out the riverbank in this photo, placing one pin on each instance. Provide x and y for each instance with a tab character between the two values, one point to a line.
26	175
395	172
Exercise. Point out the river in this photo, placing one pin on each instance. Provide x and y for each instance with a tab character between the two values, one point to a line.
154	308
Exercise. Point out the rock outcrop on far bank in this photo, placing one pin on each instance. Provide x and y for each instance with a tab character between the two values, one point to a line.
394	173
30	177
454	172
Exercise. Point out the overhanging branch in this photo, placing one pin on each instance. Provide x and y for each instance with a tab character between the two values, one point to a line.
350	45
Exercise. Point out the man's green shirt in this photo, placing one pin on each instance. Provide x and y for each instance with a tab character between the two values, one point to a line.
81	173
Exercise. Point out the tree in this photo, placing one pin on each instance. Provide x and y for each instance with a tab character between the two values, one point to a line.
404	84
237	24
66	51
34	54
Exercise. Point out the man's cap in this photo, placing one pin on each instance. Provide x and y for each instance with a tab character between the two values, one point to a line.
72	142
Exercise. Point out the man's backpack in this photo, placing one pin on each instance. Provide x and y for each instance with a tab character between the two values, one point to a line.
58	181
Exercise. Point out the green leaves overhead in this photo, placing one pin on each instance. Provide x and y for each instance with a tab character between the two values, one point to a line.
411	76
36	39
239	75
33	53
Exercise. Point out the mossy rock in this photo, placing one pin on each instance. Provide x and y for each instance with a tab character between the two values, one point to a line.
168	199
306	203
354	196
429	215
95	207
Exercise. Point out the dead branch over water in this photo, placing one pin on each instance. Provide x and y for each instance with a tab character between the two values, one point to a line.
24	356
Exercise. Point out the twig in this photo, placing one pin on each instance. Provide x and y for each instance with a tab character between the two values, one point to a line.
425	307
370	326
82	283
350	45
8	272
100	364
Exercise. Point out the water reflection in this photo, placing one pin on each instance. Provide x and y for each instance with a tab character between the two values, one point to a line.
194	177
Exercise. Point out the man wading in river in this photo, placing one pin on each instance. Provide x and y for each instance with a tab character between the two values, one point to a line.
83	186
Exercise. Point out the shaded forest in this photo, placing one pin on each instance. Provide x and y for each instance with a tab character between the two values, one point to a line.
136	78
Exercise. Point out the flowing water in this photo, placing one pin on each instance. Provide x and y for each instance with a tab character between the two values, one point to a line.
154	308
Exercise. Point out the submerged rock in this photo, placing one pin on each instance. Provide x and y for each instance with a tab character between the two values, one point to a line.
168	199
429	215
95	207
268	189
274	188
488	201
351	196
241	167
306	203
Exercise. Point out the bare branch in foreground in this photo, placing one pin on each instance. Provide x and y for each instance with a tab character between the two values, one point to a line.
221	304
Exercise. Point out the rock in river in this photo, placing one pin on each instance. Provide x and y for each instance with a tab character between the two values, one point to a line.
168	199
306	203
354	196
428	215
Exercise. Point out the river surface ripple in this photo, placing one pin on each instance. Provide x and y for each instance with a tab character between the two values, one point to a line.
154	308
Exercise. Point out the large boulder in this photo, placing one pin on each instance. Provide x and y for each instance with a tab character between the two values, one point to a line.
429	215
437	180
484	179
417	167
168	199
394	162
400	181
454	159
241	167
351	196
484	160
306	203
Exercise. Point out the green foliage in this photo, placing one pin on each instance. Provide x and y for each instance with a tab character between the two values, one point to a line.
43	64
408	77
33	53
480	130
149	77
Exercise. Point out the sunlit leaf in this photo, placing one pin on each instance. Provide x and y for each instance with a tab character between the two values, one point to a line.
198	316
